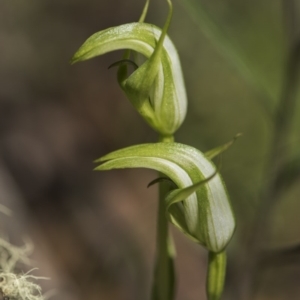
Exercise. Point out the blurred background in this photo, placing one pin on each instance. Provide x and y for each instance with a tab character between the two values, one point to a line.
94	233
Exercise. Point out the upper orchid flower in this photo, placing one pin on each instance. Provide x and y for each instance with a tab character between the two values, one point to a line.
156	88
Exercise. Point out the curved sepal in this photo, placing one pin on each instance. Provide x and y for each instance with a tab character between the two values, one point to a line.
200	206
156	89
220	149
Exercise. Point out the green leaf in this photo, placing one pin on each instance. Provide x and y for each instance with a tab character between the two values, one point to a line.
205	213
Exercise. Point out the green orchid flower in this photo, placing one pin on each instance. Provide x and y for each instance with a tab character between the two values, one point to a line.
199	207
156	88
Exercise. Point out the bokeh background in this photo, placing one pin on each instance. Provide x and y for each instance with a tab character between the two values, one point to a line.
94	233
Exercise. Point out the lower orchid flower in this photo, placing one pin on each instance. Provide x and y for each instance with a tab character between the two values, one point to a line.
199	206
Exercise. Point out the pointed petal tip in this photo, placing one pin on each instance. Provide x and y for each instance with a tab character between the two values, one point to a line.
98	168
100	160
75	58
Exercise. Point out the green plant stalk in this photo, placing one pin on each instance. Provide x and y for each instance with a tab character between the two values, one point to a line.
164	275
215	275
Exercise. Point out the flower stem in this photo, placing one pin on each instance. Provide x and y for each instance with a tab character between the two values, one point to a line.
164	275
166	139
215	275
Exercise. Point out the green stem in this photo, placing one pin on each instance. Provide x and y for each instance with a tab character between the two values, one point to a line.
166	139
164	278
215	275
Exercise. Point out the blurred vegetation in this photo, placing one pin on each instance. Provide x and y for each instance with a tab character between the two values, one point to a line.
240	61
